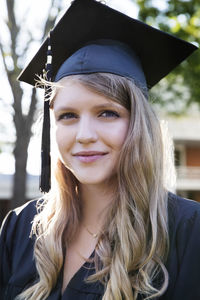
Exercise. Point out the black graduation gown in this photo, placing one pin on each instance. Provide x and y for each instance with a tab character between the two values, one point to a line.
17	267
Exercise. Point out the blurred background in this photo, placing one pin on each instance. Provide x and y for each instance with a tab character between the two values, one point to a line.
23	26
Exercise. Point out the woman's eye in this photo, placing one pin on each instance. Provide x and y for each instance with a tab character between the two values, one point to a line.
109	114
67	116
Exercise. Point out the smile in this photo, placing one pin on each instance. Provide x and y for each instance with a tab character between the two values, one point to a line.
89	156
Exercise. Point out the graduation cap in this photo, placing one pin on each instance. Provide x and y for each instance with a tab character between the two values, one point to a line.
92	37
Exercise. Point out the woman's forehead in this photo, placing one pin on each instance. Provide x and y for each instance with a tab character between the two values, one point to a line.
73	93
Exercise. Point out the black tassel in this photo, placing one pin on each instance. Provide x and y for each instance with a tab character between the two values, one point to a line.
45	178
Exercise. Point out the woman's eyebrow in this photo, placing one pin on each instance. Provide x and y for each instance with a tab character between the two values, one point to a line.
106	105
98	106
64	108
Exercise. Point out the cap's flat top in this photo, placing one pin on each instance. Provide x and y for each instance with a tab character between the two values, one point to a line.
88	20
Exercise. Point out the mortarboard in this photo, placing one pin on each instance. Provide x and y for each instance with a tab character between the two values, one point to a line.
91	37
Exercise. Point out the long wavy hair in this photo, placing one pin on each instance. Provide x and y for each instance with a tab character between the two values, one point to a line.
133	246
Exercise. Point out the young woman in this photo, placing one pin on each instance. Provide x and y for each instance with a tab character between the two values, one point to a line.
108	229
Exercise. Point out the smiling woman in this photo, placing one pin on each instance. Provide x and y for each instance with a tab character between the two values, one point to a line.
107	228
90	131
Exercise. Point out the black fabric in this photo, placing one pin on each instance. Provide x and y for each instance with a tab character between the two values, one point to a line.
90	20
17	267
107	56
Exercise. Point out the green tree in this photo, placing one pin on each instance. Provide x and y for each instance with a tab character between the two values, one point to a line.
180	18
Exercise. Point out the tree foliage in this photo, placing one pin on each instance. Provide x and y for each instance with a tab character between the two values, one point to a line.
180	18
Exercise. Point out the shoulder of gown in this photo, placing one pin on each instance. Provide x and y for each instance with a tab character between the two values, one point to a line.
183	261
17	266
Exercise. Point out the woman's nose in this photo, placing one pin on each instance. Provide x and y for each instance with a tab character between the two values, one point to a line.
86	132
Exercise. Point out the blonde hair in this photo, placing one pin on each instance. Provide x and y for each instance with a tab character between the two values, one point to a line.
133	246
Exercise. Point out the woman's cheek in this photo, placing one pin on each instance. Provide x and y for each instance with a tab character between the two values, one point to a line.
60	139
64	138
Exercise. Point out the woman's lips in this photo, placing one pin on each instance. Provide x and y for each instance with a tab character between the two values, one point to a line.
89	156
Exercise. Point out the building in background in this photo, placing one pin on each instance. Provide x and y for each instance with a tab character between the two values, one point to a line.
185	132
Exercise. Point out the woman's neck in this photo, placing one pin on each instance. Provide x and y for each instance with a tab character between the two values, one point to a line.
95	199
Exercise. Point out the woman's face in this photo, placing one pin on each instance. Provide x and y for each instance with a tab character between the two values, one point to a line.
90	132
